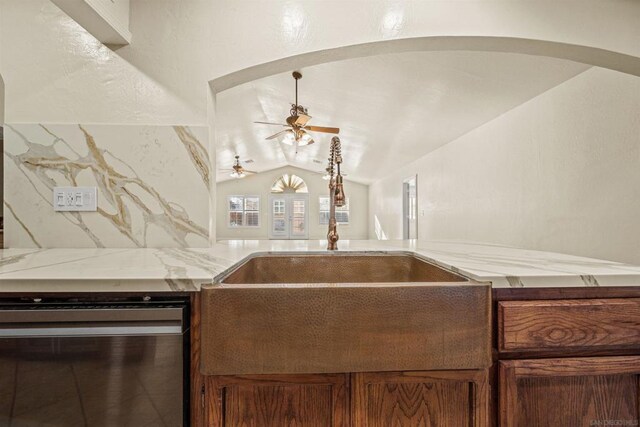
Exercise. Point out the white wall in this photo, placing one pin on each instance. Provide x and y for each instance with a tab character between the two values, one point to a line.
260	184
253	32
559	173
56	72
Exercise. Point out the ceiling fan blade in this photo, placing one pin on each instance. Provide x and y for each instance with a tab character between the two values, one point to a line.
322	129
246	171
226	170
302	119
271	123
275	135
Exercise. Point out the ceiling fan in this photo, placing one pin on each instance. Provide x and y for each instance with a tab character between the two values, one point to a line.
237	171
296	134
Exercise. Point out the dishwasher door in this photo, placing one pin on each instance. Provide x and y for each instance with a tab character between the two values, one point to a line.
92	366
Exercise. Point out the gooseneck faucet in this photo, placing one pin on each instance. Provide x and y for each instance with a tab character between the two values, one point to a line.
336	192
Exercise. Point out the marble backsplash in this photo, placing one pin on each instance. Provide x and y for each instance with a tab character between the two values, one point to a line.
153	185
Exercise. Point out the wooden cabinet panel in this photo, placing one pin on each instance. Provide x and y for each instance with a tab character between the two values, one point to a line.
279	400
590	324
570	392
428	399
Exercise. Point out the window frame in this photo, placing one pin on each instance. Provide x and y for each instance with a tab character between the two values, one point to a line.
244	210
341	209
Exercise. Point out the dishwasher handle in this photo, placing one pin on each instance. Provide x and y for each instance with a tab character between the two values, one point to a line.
85	322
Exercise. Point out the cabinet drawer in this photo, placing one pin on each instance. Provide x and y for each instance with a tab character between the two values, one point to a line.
542	325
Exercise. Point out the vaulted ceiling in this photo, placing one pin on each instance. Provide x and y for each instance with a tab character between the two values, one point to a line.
391	109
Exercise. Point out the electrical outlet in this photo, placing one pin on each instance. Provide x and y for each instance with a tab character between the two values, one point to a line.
67	199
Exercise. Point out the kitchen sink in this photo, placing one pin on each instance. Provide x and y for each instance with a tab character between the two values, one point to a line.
338	268
343	312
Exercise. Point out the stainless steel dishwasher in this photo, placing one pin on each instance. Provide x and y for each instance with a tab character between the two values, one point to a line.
94	364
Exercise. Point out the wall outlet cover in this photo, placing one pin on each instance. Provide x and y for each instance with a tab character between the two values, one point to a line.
75	199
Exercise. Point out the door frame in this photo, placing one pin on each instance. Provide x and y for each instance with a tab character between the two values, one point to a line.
405	207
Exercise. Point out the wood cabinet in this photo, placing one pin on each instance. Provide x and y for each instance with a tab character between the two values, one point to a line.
278	400
568	357
429	399
569	325
570	392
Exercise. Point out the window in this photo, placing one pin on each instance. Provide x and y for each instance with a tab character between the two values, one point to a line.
244	211
342	213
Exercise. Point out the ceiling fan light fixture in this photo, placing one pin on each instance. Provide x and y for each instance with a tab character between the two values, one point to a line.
305	139
237	175
289	138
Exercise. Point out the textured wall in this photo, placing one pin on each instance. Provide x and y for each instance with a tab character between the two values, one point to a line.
559	173
260	185
57	73
153	185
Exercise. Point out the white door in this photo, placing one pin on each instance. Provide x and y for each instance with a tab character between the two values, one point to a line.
289	216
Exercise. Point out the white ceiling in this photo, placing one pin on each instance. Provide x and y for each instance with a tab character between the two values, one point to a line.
391	109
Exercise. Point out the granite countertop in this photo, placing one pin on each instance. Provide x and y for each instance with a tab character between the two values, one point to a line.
167	270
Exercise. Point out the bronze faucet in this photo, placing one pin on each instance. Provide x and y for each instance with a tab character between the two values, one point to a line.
336	192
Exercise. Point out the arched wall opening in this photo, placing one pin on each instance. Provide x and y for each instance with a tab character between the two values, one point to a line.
583	54
586	95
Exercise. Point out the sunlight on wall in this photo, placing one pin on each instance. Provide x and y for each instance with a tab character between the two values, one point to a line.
380	234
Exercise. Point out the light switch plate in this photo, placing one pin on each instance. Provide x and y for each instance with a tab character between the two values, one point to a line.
82	199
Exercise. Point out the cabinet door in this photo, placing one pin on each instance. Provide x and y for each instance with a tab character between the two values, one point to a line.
426	399
570	392
278	400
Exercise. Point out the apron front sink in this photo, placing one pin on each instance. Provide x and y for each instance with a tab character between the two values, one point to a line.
343	312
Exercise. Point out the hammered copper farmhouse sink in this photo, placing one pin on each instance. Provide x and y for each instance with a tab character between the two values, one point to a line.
343	312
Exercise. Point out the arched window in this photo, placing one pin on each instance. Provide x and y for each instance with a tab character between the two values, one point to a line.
289	184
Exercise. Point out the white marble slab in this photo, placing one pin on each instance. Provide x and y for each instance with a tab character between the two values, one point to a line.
153	185
186	269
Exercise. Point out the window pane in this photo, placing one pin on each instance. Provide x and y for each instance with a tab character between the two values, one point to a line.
298	208
278	225
324	218
342	212
235	203
342	217
324	203
252	219
252	204
278	206
235	219
298	225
